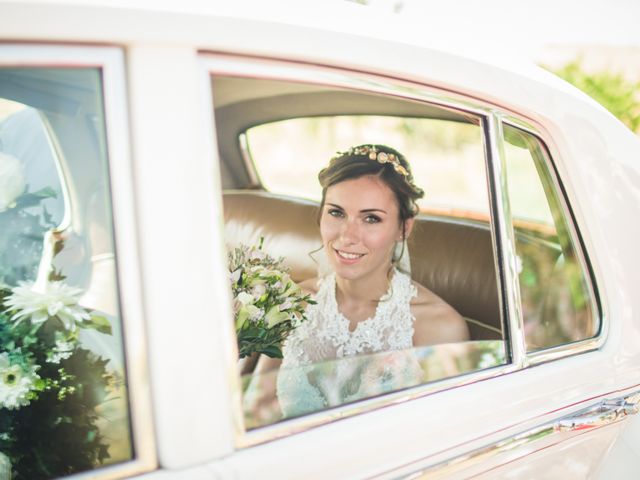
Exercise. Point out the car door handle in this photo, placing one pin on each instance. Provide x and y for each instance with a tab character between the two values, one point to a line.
604	413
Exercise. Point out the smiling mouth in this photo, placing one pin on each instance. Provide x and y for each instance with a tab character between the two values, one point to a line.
348	255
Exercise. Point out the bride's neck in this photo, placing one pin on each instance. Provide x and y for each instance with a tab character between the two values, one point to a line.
362	291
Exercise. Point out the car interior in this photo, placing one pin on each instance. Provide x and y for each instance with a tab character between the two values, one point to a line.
452	256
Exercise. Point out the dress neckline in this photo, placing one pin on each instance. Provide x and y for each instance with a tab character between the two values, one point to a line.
342	318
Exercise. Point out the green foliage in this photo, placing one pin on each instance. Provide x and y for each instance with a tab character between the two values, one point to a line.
617	94
52	430
56	433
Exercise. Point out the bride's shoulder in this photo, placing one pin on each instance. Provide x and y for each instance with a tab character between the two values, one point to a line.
309	286
435	320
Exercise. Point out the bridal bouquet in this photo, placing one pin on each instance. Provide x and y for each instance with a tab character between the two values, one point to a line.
267	304
49	385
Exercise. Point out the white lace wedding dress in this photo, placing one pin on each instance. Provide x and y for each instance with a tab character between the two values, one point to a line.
325	364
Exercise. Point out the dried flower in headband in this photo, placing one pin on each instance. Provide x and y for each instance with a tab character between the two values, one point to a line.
381	157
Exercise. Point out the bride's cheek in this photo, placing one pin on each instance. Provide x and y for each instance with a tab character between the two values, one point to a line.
327	231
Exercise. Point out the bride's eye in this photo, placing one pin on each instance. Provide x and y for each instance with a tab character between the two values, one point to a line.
335	212
372	219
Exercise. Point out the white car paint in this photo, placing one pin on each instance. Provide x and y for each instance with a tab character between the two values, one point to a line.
190	363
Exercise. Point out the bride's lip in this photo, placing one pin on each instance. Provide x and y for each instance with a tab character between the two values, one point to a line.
348	257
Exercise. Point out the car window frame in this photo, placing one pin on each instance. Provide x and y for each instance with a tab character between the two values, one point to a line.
491	120
586	265
230	65
110	60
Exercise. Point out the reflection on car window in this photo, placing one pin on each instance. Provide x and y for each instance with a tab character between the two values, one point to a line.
556	300
332	359
63	398
341	381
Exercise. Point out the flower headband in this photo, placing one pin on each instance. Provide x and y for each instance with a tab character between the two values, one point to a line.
381	157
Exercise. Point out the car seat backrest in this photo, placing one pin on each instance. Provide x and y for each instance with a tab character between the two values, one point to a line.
452	258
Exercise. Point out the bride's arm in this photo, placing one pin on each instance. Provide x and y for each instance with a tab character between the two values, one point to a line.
436	320
309	286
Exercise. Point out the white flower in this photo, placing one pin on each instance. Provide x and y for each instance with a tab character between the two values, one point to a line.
258	290
275	316
255	313
248	312
62	350
245	298
15	383
12	181
58	300
235	275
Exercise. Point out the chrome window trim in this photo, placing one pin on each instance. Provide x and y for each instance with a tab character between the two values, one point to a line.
490	119
507	241
587	344
111	61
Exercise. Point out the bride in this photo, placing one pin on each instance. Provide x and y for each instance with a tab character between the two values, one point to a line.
367	303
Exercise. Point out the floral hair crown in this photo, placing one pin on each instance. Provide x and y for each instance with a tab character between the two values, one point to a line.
372	153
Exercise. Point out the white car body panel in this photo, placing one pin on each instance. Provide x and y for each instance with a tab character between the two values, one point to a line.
192	374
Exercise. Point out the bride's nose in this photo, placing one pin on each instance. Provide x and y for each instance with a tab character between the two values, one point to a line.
350	232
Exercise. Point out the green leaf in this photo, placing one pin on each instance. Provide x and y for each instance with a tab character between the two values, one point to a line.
34	198
99	323
272	351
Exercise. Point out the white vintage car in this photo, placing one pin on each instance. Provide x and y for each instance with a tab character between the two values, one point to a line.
140	142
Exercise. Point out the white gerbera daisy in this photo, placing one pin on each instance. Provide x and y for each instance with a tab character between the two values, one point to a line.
16	382
58	300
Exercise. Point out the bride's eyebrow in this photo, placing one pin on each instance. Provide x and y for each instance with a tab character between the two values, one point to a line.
366	210
369	210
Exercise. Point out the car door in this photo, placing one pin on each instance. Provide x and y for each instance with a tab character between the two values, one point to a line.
559	398
74	394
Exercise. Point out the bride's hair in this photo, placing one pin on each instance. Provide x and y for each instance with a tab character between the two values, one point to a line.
380	161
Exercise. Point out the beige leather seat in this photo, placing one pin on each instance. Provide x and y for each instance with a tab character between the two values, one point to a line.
453	259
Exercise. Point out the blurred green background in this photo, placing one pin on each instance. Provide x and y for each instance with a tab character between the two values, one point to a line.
617	93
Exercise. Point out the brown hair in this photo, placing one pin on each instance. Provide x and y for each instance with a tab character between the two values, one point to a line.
396	175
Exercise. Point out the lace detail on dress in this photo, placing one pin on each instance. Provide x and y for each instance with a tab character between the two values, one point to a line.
307	382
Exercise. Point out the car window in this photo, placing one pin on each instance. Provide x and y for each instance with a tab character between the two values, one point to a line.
557	302
63	393
445	156
273	138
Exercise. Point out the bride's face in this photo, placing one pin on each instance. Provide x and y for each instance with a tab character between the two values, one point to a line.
360	226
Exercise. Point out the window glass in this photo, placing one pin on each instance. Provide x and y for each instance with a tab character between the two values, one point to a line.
63	397
556	300
282	134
